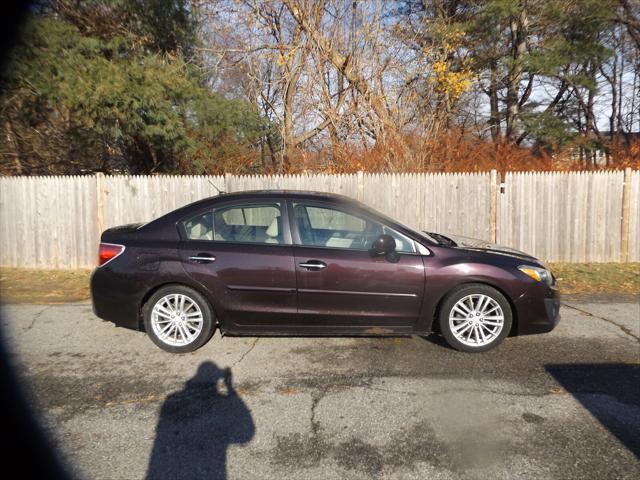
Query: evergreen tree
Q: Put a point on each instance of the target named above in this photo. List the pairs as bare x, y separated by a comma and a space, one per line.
109, 86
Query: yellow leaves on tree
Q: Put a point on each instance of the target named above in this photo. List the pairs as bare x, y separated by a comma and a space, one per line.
450, 79
450, 82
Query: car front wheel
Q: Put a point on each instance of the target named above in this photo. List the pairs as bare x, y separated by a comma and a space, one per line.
475, 318
178, 319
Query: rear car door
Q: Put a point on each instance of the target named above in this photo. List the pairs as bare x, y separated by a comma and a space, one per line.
241, 253
340, 284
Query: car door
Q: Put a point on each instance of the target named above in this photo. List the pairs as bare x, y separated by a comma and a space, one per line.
341, 286
241, 253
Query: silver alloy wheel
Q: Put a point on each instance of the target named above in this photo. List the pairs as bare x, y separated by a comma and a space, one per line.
476, 320
176, 320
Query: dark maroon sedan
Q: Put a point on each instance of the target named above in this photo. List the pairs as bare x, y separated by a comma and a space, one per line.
287, 263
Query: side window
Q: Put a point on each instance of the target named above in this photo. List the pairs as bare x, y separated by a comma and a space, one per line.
329, 219
199, 227
330, 227
247, 223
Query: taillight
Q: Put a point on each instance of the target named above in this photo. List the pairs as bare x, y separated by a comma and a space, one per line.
108, 251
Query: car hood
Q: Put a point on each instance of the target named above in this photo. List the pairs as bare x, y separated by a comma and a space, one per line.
477, 245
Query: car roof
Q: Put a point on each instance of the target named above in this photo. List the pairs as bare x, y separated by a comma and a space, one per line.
287, 194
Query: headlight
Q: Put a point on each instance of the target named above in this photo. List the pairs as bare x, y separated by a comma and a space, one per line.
537, 273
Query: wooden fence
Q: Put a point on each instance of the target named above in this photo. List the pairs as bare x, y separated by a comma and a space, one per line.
54, 222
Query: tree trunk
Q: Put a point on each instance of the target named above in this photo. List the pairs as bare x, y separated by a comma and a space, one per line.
494, 119
620, 124
288, 104
589, 124
12, 141
518, 26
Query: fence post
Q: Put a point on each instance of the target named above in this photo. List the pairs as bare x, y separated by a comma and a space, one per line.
100, 202
626, 210
360, 192
493, 206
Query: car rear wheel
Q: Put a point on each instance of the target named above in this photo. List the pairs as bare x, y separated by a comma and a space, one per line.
178, 319
475, 318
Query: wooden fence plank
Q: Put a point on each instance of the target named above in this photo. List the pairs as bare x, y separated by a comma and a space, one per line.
634, 218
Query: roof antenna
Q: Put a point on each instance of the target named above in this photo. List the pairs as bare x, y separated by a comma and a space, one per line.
220, 192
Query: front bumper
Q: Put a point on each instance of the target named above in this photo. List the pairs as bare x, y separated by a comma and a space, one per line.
538, 310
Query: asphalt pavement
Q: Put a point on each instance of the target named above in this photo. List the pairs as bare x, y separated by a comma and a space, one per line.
560, 405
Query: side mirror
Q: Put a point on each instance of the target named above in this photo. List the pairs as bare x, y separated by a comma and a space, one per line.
383, 245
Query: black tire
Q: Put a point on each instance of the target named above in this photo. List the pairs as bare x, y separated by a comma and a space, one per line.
462, 292
208, 321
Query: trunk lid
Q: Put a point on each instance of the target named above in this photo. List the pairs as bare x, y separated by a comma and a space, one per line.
119, 233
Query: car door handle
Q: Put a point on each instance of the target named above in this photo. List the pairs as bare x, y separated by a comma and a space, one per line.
313, 265
202, 258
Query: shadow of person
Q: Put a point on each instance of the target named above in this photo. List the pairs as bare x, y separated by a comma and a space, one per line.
197, 425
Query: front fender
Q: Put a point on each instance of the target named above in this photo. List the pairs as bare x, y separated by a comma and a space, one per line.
445, 272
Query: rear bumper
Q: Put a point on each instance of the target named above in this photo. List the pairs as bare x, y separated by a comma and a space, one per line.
114, 299
538, 310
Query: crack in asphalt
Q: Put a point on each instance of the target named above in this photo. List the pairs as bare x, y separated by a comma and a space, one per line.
554, 391
624, 329
37, 316
242, 357
318, 395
